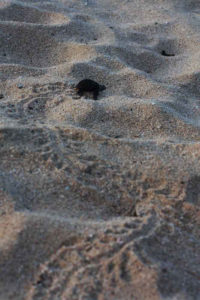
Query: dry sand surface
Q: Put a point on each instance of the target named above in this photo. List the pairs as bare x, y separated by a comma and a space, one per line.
99, 200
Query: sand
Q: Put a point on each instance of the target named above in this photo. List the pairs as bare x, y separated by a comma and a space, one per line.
99, 200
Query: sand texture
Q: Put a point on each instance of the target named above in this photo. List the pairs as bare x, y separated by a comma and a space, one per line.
100, 200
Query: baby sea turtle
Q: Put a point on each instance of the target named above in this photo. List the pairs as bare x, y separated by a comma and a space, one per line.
89, 86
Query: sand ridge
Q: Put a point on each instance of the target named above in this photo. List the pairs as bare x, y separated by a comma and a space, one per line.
99, 199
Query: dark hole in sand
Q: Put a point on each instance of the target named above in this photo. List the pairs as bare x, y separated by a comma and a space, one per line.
164, 53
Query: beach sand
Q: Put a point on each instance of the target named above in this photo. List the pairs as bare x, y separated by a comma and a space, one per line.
100, 200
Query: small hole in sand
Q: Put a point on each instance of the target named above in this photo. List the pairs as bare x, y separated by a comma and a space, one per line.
164, 270
164, 53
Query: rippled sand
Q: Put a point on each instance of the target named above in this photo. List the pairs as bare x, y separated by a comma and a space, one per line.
100, 200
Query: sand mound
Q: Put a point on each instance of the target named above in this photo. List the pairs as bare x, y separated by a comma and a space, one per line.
99, 199
17, 12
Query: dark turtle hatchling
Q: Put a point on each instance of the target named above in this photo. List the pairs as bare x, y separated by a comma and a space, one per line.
89, 86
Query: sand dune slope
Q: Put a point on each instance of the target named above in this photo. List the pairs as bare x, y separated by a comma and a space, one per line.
100, 200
